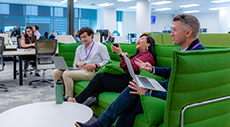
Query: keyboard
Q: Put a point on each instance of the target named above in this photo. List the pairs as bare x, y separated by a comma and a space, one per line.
145, 82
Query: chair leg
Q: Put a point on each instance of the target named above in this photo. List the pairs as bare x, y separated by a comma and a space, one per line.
4, 87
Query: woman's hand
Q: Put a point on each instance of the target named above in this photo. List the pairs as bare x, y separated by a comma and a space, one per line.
138, 90
116, 49
146, 66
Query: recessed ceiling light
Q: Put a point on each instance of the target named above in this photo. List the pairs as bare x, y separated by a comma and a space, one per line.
220, 8
65, 1
161, 2
133, 7
163, 9
106, 4
124, 0
189, 5
193, 11
220, 1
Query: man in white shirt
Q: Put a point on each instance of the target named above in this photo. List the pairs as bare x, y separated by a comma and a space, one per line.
36, 32
88, 57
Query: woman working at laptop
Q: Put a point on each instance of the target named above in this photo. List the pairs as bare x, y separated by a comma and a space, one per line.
116, 83
28, 41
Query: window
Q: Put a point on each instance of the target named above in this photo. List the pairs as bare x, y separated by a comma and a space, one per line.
31, 10
4, 9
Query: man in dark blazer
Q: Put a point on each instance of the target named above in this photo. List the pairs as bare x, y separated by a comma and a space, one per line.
109, 38
127, 105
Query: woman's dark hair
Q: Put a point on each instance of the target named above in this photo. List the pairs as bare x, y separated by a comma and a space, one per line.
26, 35
150, 48
46, 34
88, 30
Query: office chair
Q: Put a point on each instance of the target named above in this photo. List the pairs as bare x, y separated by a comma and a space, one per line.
2, 86
45, 49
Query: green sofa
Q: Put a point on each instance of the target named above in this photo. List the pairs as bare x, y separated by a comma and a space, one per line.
198, 92
206, 39
164, 59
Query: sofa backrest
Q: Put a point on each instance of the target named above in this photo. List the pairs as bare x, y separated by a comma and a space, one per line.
214, 39
67, 51
164, 54
198, 76
129, 48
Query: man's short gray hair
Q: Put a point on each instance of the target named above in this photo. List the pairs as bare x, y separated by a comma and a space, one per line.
189, 22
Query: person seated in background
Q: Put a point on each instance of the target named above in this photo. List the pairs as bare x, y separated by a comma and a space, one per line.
109, 38
28, 41
52, 35
36, 32
88, 57
46, 34
77, 39
116, 83
127, 105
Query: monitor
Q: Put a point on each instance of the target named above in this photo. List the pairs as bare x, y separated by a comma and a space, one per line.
16, 32
103, 32
153, 19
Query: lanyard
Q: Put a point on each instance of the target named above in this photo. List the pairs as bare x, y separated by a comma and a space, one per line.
195, 46
89, 51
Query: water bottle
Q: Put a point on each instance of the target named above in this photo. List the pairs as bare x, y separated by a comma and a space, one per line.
59, 92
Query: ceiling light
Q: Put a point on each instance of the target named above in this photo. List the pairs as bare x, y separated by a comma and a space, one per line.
220, 1
124, 0
189, 5
220, 8
106, 4
133, 7
193, 11
163, 9
161, 2
65, 1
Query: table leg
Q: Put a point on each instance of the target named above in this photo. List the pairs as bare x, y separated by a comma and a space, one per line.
20, 71
15, 67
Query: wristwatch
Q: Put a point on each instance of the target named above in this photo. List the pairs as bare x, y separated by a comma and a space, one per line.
147, 93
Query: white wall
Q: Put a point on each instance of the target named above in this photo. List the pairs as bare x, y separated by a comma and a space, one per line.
110, 19
209, 21
129, 23
163, 21
106, 18
100, 18
224, 19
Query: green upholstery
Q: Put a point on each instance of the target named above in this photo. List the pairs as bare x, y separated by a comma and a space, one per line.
157, 37
214, 39
167, 39
164, 59
164, 54
67, 50
196, 76
207, 39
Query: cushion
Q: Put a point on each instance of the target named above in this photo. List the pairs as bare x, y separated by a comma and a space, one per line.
154, 109
111, 69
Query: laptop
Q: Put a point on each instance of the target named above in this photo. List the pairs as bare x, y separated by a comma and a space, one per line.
61, 64
142, 82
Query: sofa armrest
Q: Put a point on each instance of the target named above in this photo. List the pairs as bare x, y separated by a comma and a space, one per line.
154, 109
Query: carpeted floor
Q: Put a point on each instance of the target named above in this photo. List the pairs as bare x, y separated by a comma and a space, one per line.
25, 94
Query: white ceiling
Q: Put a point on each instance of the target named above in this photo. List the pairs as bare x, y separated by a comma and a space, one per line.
124, 6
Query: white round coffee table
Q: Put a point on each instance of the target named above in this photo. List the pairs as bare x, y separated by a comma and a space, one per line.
46, 114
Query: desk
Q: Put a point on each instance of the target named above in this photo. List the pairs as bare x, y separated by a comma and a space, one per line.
19, 52
46, 114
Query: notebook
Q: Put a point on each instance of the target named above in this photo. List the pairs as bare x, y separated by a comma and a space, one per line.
142, 82
61, 64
